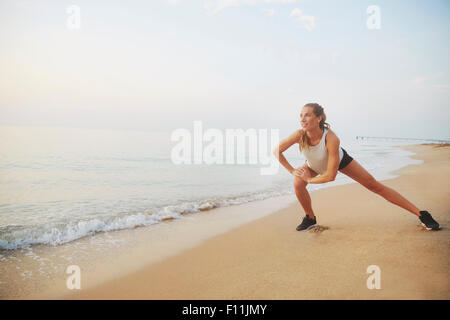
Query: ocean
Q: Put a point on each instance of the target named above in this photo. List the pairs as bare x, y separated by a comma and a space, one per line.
61, 184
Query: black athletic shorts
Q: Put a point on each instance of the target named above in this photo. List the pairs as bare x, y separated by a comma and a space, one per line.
346, 159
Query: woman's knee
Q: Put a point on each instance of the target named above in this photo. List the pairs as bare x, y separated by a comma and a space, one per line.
299, 183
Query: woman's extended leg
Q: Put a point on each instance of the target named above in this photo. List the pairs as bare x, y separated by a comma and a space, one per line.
355, 171
303, 194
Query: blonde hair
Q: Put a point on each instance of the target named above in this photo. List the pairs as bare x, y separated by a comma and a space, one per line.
318, 111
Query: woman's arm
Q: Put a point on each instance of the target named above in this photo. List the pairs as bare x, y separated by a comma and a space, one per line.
283, 146
333, 160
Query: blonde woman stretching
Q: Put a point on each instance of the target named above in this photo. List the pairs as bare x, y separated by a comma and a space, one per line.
320, 146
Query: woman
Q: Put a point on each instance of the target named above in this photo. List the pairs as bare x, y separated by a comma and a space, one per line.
325, 158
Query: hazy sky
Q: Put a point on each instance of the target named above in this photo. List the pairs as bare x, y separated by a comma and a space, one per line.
161, 64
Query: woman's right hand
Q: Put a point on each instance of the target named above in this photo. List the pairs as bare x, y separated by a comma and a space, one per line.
302, 172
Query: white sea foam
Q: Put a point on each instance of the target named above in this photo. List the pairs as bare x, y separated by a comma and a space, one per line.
14, 238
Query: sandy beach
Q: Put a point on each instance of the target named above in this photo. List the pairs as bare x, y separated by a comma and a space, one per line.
269, 259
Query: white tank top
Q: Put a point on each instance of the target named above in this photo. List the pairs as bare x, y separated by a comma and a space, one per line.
317, 156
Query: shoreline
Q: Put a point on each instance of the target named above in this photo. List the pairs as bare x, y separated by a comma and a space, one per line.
205, 228
167, 239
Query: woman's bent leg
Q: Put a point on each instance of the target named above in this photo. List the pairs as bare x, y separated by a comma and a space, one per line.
303, 196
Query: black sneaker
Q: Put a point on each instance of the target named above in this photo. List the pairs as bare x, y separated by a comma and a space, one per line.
307, 223
427, 221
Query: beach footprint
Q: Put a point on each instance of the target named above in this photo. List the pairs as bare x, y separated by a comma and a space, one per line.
318, 228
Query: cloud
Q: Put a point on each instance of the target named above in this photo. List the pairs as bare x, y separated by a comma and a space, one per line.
214, 6
309, 22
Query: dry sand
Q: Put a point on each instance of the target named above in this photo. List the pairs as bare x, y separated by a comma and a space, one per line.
268, 259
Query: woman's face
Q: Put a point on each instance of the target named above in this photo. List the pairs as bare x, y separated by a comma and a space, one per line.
308, 119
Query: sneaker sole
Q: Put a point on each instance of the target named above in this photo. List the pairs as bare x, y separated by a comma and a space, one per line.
429, 228
312, 226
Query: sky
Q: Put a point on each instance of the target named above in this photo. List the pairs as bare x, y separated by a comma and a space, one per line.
159, 65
